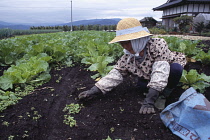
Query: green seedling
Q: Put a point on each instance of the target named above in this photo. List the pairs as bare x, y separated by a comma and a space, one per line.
112, 129
11, 137
5, 123
71, 109
25, 134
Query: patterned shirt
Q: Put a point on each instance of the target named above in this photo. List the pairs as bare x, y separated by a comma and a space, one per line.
156, 50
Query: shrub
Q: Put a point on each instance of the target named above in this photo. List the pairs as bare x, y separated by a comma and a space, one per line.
199, 27
157, 31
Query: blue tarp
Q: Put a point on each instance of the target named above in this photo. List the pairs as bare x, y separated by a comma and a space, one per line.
189, 118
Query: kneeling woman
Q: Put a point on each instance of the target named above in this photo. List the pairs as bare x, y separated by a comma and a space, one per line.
157, 68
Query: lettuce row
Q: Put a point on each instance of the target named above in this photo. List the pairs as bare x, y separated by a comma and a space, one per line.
26, 71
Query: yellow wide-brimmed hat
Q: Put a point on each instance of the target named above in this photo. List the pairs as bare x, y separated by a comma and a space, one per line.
129, 29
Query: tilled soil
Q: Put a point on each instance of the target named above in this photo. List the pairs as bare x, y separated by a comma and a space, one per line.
39, 116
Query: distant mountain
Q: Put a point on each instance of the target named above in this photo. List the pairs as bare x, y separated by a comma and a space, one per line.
13, 26
5, 23
113, 21
17, 27
23, 26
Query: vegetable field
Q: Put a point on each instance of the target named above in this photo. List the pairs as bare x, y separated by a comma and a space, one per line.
42, 75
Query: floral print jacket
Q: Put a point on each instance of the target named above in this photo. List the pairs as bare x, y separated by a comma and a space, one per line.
155, 59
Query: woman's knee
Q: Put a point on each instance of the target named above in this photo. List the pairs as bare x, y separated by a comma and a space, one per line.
176, 68
142, 85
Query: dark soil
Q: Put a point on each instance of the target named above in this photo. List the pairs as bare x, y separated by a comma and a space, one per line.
114, 114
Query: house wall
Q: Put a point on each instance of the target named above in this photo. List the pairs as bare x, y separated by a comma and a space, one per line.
168, 23
187, 9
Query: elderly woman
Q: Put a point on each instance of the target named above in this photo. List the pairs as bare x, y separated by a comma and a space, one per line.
157, 68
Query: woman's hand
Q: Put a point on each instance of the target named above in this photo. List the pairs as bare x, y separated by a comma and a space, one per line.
149, 101
147, 109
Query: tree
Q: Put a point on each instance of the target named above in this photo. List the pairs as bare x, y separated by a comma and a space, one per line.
82, 27
66, 28
208, 25
199, 27
184, 22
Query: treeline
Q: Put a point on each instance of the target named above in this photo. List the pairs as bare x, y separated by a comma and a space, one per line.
6, 33
76, 28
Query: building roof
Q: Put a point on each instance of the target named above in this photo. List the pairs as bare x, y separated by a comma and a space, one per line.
172, 3
148, 19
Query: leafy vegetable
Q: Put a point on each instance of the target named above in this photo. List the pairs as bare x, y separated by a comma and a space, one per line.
26, 71
187, 47
203, 57
31, 57
195, 80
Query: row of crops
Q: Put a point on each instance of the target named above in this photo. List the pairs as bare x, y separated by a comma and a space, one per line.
30, 58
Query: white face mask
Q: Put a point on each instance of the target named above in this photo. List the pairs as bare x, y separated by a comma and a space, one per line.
138, 45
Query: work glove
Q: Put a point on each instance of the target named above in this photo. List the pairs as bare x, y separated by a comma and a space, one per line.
167, 92
149, 101
89, 94
161, 101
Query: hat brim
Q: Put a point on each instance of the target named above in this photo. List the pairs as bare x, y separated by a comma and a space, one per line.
130, 36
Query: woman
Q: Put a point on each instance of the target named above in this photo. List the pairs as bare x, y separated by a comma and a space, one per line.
157, 68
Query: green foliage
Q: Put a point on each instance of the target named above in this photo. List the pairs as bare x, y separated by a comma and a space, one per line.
155, 30
199, 27
208, 25
31, 57
5, 33
195, 80
98, 54
11, 137
26, 71
185, 46
8, 98
5, 123
203, 57
183, 22
71, 109
99, 63
69, 120
206, 34
108, 138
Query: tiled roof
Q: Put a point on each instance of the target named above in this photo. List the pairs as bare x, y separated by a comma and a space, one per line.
172, 3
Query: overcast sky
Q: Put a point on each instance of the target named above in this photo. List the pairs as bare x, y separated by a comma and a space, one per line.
59, 11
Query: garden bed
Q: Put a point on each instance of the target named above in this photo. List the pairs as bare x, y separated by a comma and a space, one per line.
39, 116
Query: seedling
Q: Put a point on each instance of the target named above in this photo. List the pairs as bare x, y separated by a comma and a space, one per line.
36, 116
58, 80
69, 120
25, 134
5, 123
71, 109
11, 137
112, 129
108, 138
121, 109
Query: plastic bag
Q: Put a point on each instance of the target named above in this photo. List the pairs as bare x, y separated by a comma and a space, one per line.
189, 118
